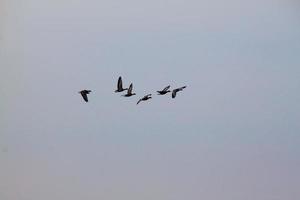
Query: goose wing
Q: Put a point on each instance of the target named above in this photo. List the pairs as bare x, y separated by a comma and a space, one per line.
120, 83
130, 89
84, 96
174, 93
181, 88
166, 88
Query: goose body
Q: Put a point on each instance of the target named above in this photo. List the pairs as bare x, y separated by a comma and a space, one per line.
145, 98
177, 90
84, 94
164, 91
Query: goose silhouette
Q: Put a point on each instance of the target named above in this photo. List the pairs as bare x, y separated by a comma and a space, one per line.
164, 91
129, 91
177, 90
84, 94
145, 98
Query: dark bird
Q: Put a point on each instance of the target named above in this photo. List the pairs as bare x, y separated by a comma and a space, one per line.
164, 91
177, 90
84, 94
129, 92
120, 85
145, 98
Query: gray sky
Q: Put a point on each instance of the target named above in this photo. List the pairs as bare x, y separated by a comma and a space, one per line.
232, 134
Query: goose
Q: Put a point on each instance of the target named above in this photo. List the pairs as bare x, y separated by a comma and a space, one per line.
177, 90
120, 85
164, 91
129, 91
145, 98
84, 94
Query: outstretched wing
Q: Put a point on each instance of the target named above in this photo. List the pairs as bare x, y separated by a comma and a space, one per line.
166, 88
182, 88
148, 95
120, 83
130, 89
174, 93
84, 96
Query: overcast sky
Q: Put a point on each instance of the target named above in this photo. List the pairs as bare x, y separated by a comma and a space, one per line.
232, 134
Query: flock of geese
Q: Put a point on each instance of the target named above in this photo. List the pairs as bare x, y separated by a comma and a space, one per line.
166, 90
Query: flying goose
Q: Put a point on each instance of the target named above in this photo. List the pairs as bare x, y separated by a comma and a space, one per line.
84, 94
129, 91
177, 90
145, 98
164, 91
120, 85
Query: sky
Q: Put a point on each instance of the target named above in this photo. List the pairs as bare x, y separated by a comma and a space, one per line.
232, 134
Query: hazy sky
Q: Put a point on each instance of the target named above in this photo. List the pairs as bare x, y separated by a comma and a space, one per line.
233, 134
